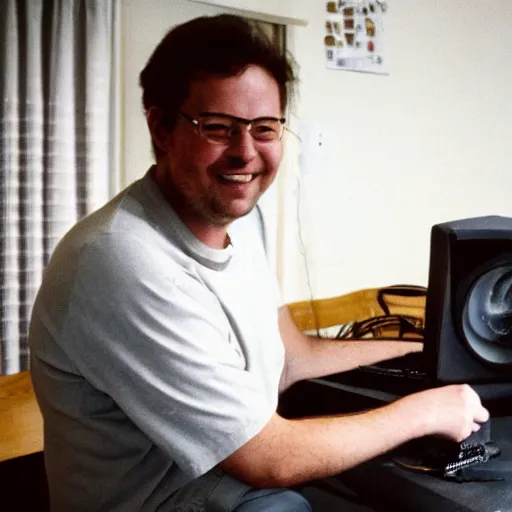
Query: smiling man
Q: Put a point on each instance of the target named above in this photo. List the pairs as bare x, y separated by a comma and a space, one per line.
223, 152
159, 344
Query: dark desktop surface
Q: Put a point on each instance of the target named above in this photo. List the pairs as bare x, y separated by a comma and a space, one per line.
390, 487
381, 483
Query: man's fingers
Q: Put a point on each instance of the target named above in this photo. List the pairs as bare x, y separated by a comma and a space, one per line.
482, 415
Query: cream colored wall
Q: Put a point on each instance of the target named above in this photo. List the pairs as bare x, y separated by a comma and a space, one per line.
431, 142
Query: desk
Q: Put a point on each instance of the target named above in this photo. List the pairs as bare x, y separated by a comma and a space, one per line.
385, 486
411, 491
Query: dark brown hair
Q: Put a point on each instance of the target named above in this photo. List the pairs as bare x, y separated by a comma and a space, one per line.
221, 45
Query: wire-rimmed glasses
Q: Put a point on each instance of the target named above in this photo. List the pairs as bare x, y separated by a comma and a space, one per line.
221, 128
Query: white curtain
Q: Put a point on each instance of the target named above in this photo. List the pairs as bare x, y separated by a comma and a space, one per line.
55, 92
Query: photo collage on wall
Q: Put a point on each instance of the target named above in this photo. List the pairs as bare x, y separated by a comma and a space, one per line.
354, 36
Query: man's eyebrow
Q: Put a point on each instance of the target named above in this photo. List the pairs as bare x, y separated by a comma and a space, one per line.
242, 119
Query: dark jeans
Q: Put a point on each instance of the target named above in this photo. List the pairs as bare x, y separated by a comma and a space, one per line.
273, 500
218, 492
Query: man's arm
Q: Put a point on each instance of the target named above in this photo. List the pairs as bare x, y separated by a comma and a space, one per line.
289, 452
308, 357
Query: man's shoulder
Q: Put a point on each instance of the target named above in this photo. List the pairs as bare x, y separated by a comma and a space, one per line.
106, 251
127, 224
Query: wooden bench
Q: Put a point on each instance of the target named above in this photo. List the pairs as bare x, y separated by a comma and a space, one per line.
22, 474
21, 423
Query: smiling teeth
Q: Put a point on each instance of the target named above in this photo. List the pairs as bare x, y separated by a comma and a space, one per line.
238, 178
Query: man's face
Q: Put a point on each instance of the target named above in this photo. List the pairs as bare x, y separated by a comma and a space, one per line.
213, 184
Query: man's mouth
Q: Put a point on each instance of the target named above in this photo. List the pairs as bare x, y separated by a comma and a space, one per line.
238, 178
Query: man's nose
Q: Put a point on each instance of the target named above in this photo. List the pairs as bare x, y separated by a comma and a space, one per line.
242, 146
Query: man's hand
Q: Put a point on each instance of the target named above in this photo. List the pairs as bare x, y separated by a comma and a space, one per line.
452, 411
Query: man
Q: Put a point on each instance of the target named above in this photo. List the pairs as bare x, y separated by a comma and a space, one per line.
158, 342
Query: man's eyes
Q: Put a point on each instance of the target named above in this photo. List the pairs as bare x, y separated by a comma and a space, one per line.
215, 127
262, 128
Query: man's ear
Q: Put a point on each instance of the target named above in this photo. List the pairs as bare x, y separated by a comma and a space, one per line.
160, 133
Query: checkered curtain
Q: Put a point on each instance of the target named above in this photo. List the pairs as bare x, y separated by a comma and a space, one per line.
55, 92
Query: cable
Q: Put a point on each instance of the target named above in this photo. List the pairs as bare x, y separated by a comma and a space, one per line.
303, 251
302, 248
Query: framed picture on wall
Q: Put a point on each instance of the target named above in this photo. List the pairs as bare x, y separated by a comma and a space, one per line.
354, 36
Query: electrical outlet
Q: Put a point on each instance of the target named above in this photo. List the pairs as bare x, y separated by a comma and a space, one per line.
312, 147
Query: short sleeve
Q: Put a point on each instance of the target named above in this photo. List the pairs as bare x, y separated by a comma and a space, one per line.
154, 338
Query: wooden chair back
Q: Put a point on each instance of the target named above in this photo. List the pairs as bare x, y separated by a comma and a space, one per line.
358, 306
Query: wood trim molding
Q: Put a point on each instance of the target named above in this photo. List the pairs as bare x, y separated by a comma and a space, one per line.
271, 11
